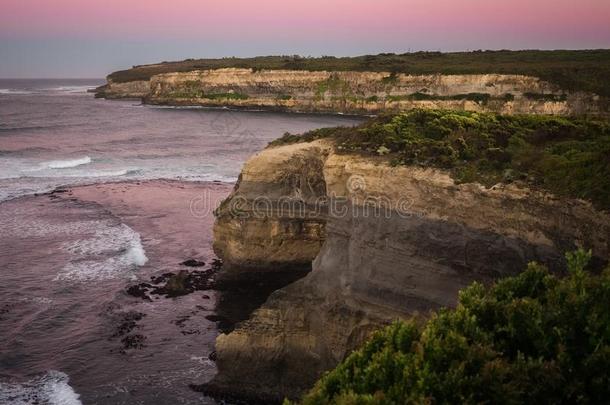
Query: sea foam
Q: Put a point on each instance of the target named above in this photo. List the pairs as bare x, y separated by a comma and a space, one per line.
51, 388
110, 252
63, 164
15, 92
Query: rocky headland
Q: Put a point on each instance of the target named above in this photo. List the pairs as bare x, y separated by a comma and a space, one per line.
524, 82
387, 242
392, 220
355, 92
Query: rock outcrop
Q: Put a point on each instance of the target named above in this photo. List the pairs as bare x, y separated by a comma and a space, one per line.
356, 92
388, 242
271, 220
134, 89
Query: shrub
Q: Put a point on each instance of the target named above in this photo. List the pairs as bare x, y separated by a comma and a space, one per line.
533, 338
566, 156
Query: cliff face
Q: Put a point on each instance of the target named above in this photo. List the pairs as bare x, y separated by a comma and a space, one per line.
272, 221
134, 89
356, 92
396, 241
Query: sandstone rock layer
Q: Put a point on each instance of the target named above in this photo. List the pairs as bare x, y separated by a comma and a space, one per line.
356, 92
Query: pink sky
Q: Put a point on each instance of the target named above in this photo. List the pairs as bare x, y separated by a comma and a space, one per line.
302, 19
244, 27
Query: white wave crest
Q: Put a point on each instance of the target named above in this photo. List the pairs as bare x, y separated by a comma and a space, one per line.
51, 388
15, 92
72, 89
111, 252
63, 164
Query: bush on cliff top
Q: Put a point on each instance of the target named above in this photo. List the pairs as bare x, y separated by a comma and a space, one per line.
533, 338
566, 156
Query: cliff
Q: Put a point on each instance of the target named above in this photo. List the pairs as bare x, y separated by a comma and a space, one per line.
386, 241
132, 89
356, 92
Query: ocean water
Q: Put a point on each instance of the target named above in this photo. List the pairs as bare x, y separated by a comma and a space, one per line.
52, 132
66, 259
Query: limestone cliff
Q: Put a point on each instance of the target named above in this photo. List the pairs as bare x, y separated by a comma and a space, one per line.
356, 92
394, 241
133, 89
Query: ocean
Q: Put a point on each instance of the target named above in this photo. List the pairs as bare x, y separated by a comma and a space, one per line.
126, 176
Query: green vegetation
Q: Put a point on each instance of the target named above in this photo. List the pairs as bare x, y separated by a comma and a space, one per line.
571, 70
533, 338
566, 156
333, 84
545, 97
481, 98
195, 92
390, 80
226, 96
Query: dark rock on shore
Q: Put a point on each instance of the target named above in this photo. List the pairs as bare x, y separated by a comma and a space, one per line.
177, 284
193, 263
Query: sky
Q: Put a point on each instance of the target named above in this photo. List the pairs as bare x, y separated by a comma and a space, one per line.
91, 38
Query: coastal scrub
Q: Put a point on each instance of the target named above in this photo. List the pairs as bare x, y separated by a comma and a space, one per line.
564, 155
533, 338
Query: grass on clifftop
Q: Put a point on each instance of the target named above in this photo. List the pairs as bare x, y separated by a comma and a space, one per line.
530, 339
586, 70
566, 156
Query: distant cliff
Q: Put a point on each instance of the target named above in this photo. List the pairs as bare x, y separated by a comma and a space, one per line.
355, 92
559, 82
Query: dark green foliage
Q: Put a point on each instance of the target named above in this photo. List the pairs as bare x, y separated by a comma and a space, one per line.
566, 156
530, 339
571, 70
225, 96
545, 97
480, 98
193, 91
310, 136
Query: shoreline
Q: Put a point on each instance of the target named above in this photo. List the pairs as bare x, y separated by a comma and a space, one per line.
170, 234
224, 107
126, 340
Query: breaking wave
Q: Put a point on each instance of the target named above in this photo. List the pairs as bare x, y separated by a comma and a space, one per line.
64, 164
15, 92
51, 388
119, 247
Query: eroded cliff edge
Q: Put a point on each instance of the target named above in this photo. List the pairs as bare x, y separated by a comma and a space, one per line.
356, 92
393, 241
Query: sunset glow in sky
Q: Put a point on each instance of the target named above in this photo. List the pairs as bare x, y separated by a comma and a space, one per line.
89, 38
